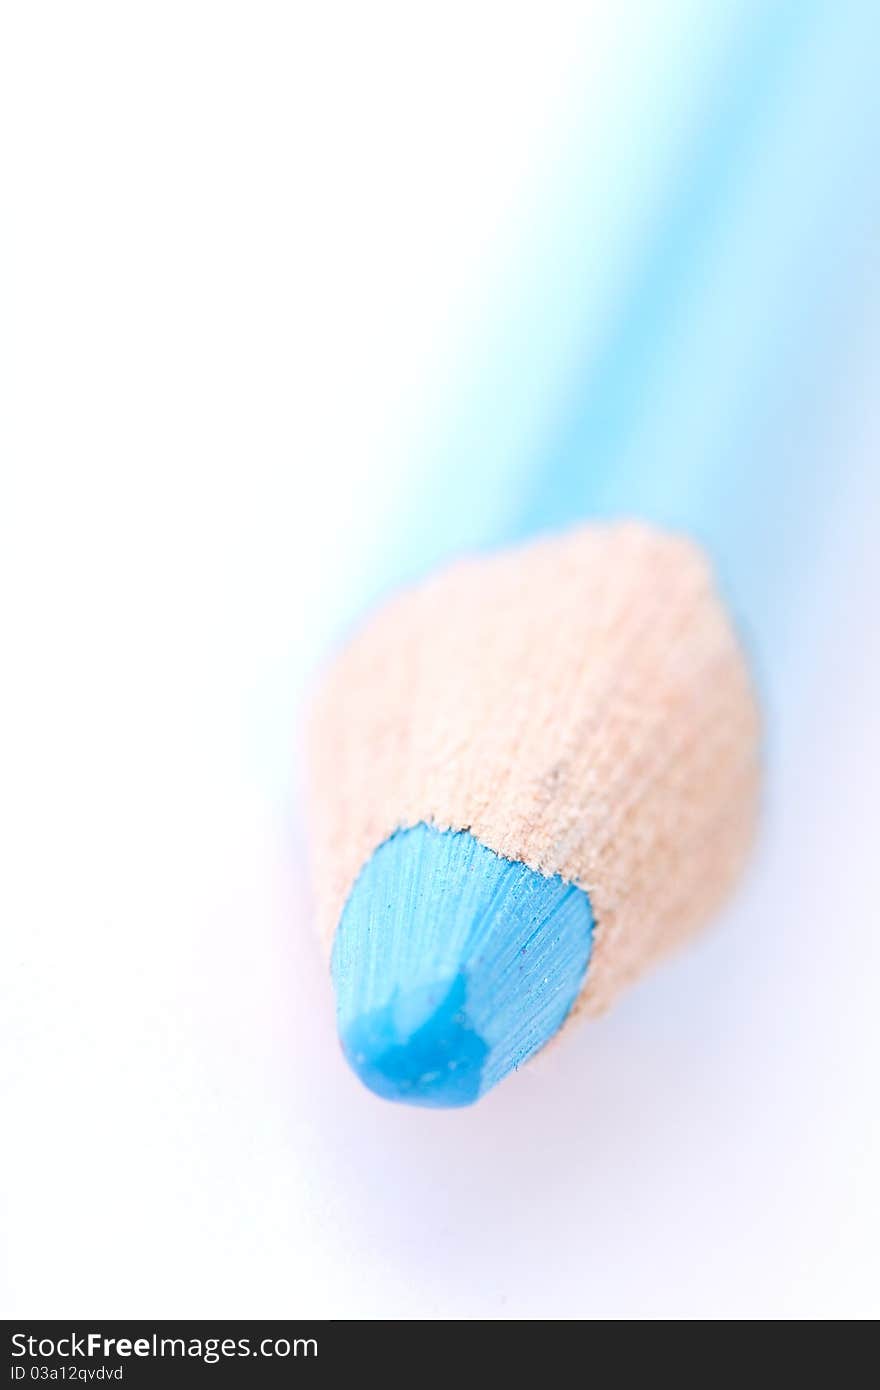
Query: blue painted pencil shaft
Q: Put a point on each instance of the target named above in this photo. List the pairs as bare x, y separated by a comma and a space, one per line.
703, 408
697, 402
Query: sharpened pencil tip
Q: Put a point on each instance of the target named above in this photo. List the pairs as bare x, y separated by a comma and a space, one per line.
452, 966
419, 1048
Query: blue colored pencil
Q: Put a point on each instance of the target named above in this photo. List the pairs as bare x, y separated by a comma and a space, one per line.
536, 772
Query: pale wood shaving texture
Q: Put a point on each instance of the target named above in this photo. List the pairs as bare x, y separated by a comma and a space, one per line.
581, 704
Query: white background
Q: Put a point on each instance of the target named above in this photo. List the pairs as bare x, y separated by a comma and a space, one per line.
238, 239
